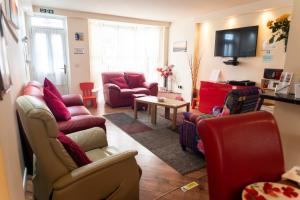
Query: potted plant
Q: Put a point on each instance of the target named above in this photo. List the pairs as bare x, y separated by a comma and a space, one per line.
165, 72
280, 29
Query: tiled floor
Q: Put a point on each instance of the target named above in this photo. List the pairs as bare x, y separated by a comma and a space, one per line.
159, 180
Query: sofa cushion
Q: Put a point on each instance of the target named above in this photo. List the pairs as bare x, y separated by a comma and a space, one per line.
57, 107
120, 81
48, 84
134, 80
81, 122
74, 150
141, 91
78, 110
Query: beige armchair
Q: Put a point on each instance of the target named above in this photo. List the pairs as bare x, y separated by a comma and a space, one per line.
111, 175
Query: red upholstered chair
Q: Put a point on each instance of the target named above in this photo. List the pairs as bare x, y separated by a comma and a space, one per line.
87, 93
118, 97
240, 150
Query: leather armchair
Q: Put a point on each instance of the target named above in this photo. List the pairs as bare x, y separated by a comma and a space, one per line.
111, 175
241, 150
117, 97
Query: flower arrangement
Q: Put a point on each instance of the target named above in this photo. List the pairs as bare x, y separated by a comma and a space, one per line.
280, 29
165, 71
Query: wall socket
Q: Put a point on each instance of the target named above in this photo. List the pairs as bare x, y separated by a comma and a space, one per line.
180, 87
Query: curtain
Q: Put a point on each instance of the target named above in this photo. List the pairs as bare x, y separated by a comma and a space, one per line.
48, 55
119, 47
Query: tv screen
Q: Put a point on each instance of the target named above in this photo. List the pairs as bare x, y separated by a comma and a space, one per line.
240, 42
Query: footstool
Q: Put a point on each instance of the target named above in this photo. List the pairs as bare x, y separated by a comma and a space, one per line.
140, 106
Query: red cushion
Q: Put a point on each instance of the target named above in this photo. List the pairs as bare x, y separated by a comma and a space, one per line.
48, 84
56, 106
135, 81
120, 81
74, 150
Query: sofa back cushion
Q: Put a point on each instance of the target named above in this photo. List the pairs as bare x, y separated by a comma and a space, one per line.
107, 76
120, 81
31, 90
74, 150
49, 85
135, 80
57, 107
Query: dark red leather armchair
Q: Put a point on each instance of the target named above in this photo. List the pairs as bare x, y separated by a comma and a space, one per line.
117, 97
240, 150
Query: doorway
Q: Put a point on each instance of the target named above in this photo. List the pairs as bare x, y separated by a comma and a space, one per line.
49, 58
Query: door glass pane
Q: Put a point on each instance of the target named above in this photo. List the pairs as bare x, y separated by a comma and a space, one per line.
47, 22
41, 54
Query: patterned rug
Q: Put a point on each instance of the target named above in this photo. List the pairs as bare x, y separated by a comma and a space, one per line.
159, 139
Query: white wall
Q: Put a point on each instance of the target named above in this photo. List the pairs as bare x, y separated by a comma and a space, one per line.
79, 63
288, 115
249, 68
182, 31
11, 164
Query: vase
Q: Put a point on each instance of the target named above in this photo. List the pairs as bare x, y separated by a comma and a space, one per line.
166, 83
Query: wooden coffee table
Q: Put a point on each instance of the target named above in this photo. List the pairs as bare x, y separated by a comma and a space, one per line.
153, 102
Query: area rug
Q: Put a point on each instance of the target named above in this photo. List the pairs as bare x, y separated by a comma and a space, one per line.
159, 139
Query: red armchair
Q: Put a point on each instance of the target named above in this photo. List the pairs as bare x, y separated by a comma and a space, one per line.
240, 150
117, 97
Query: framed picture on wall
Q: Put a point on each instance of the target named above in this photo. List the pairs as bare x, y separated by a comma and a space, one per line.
5, 79
180, 46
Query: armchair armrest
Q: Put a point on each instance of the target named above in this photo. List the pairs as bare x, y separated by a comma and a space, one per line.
90, 139
149, 85
153, 87
89, 170
72, 100
112, 86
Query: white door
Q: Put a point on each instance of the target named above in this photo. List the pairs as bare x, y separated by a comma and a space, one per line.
48, 52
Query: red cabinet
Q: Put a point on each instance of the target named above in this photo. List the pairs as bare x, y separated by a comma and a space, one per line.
213, 94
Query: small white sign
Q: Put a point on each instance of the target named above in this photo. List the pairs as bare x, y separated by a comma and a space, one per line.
214, 76
79, 50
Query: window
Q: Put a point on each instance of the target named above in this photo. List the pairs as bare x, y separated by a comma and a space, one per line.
117, 46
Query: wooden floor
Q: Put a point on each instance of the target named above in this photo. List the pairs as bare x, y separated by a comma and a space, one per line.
159, 180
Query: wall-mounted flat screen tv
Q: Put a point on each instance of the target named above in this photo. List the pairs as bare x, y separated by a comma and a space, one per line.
240, 42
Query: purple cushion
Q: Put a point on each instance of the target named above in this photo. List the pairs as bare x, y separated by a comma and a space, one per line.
57, 107
74, 150
120, 81
48, 84
135, 81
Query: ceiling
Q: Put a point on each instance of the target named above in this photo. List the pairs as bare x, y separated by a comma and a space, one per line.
163, 10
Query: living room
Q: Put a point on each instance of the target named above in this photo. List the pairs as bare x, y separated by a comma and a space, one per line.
143, 90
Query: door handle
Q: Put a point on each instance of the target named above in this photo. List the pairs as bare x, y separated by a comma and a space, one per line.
65, 69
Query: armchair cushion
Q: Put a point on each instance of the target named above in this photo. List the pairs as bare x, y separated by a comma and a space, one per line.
57, 107
134, 80
120, 81
49, 85
89, 139
74, 150
72, 100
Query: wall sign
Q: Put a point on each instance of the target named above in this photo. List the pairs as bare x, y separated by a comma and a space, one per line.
46, 10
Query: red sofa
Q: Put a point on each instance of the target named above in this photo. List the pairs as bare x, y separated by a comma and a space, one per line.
117, 97
81, 118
